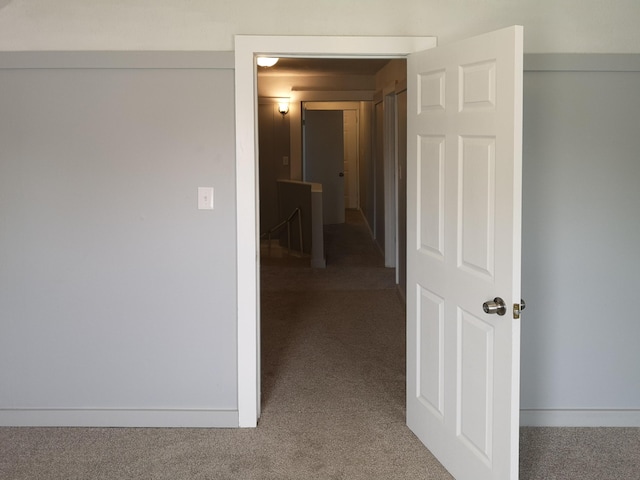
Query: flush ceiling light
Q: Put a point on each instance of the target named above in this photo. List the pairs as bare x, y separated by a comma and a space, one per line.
267, 61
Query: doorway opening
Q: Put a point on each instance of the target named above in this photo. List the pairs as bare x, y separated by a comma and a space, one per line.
362, 146
348, 144
246, 49
465, 70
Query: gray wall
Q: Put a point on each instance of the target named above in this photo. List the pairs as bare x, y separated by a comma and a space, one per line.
117, 295
273, 134
581, 239
366, 170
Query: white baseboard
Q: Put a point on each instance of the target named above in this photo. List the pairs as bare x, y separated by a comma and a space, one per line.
580, 418
366, 222
118, 418
229, 418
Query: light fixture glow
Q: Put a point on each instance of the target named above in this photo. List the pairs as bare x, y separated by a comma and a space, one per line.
267, 61
283, 108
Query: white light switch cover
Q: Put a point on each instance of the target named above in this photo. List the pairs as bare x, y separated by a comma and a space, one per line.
205, 198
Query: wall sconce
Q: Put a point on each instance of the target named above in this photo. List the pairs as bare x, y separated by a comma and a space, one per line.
283, 108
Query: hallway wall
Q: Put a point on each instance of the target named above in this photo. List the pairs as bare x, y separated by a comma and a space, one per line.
366, 169
335, 89
273, 147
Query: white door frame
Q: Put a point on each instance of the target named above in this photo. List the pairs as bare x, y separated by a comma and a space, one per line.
247, 47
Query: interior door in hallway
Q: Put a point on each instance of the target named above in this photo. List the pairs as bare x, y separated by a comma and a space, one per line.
324, 159
464, 154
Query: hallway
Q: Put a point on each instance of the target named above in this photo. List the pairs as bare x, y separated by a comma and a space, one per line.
333, 372
333, 364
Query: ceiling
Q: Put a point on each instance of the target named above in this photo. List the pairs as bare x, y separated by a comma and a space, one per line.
325, 66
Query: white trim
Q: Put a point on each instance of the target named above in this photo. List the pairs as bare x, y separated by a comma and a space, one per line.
580, 418
246, 48
118, 418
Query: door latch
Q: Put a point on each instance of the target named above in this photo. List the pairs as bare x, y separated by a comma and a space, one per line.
517, 309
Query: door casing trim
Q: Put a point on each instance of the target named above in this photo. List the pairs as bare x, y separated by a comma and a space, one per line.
247, 47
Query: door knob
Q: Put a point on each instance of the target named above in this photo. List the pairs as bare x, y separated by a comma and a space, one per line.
341, 174
495, 306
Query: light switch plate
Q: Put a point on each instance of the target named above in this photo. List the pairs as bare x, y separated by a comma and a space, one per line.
205, 198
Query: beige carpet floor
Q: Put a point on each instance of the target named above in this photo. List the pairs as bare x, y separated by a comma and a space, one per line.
333, 378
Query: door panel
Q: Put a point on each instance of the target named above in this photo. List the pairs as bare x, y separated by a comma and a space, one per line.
477, 205
464, 152
324, 159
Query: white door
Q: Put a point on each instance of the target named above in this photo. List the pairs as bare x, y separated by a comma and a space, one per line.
463, 226
324, 159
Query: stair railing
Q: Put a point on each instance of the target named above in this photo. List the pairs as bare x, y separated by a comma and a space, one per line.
296, 213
